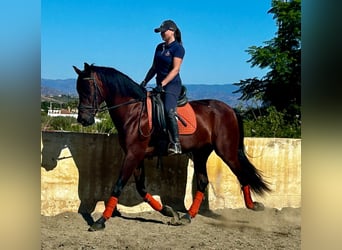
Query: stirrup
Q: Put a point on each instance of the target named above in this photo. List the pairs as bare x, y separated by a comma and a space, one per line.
174, 148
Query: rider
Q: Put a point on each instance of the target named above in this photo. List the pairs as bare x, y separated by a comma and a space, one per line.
166, 65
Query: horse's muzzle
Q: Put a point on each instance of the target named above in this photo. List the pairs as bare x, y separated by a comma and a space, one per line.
86, 120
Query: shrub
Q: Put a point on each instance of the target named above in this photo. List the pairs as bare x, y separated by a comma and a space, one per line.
272, 124
71, 124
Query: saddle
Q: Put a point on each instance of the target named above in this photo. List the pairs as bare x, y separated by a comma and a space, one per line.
185, 114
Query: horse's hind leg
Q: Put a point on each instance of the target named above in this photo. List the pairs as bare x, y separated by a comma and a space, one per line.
247, 174
139, 176
200, 165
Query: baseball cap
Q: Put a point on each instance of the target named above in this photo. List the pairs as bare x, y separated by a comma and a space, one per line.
166, 25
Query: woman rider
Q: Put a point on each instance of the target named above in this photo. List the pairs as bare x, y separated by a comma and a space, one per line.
166, 66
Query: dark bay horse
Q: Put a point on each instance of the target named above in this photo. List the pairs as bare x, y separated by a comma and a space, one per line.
219, 128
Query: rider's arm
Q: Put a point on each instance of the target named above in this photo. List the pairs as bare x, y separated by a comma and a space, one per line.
150, 74
175, 70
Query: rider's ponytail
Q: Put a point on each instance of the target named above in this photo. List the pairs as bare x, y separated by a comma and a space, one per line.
178, 36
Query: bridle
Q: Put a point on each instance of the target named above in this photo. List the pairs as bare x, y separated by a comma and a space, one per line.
95, 107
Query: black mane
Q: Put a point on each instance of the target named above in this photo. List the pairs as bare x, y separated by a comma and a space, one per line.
119, 82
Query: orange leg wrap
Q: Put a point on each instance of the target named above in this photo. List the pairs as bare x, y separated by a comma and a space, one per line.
196, 204
247, 196
153, 203
110, 206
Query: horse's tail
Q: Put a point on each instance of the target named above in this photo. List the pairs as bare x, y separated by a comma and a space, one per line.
252, 175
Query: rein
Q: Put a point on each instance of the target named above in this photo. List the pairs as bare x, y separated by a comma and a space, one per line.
105, 108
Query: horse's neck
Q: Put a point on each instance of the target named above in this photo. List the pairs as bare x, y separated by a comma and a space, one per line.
118, 101
123, 114
114, 94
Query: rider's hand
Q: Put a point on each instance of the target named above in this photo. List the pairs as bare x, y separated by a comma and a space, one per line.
159, 89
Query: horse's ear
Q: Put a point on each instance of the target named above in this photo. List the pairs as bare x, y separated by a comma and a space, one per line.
86, 66
77, 70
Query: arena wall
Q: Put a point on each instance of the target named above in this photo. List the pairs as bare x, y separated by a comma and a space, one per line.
78, 171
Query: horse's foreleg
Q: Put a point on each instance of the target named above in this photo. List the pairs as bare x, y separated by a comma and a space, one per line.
114, 198
126, 172
139, 176
110, 207
85, 209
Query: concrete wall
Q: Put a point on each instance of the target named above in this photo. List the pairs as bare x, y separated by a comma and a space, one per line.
78, 171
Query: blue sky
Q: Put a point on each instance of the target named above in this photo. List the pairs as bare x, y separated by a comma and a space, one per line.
120, 34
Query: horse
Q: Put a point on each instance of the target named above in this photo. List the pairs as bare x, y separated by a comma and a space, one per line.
219, 128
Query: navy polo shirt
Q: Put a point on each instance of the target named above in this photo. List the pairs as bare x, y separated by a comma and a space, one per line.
163, 59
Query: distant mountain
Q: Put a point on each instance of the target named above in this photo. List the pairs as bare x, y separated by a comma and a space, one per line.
50, 87
223, 92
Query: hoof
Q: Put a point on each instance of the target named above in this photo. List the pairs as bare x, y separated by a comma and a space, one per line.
169, 212
116, 212
175, 222
186, 219
98, 225
258, 206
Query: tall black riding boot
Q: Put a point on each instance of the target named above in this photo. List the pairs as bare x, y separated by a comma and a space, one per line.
174, 146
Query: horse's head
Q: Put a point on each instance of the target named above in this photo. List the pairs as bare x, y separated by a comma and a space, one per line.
89, 95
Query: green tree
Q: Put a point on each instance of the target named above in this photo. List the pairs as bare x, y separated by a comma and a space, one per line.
281, 86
